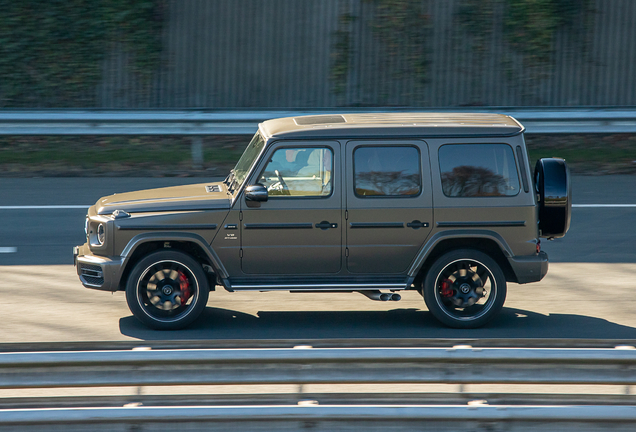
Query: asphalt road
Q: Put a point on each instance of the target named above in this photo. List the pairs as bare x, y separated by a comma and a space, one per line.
575, 300
588, 293
45, 236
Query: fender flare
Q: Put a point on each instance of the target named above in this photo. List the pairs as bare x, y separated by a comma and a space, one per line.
433, 241
141, 239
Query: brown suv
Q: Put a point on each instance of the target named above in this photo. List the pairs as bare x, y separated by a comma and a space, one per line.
375, 203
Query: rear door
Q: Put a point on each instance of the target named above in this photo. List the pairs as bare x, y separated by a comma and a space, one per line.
388, 204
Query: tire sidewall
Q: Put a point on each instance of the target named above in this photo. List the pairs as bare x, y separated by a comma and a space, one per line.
196, 307
429, 287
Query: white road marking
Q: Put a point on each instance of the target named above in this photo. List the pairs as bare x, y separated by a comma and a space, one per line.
604, 205
54, 207
8, 249
44, 207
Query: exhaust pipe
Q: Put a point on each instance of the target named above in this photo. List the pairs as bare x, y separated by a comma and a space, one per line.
379, 296
374, 295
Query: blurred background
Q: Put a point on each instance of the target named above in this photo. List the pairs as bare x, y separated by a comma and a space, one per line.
247, 59
305, 55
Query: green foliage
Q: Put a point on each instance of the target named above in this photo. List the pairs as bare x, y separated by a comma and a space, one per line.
402, 28
568, 11
591, 154
153, 156
477, 17
51, 51
341, 54
529, 26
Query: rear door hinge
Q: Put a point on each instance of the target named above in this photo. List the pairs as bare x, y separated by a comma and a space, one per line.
240, 215
346, 214
346, 252
240, 253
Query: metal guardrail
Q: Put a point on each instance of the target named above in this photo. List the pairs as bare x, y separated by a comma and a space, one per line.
306, 365
330, 418
462, 365
157, 122
23, 347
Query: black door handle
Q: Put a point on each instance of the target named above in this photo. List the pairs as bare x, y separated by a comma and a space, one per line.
417, 224
324, 225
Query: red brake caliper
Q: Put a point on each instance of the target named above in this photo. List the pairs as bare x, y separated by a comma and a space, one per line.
447, 290
184, 286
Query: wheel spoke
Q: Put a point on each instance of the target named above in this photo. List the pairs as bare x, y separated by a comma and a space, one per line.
472, 283
161, 274
167, 291
156, 271
482, 272
446, 274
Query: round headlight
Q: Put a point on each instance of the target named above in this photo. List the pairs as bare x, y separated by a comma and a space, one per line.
101, 234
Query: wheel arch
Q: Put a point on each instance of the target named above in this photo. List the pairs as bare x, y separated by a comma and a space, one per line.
191, 244
489, 243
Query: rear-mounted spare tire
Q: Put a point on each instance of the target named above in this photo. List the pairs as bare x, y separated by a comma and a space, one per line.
554, 193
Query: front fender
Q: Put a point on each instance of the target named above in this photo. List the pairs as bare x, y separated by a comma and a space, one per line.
164, 236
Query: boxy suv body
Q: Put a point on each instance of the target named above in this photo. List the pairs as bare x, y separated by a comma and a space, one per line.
376, 203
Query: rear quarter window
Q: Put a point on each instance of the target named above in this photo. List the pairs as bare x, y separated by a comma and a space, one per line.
478, 170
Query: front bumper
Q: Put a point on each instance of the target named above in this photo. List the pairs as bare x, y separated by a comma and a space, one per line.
529, 268
97, 272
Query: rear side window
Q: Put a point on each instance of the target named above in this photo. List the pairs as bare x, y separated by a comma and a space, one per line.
478, 170
390, 171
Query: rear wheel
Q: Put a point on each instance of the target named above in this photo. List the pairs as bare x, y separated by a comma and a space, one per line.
167, 290
464, 289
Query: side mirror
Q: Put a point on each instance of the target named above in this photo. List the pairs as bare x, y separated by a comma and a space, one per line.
256, 193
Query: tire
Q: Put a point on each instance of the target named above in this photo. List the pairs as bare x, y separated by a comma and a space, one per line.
464, 277
167, 290
554, 196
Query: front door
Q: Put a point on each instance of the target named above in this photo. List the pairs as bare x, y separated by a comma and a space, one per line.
388, 203
298, 231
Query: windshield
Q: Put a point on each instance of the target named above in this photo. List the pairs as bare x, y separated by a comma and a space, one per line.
247, 160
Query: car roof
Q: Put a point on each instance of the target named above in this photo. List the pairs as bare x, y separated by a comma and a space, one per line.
390, 125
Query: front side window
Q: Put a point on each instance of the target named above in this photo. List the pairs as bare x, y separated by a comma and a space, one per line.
389, 171
300, 172
478, 170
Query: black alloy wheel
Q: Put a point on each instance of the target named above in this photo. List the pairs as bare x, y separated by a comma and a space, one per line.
464, 288
167, 290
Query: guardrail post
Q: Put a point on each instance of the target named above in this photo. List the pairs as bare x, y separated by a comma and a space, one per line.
197, 152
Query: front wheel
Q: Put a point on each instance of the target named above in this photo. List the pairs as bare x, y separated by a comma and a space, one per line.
167, 290
464, 288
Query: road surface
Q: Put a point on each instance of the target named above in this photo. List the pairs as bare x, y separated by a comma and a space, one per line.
588, 293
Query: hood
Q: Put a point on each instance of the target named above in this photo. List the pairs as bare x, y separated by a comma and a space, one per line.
203, 196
